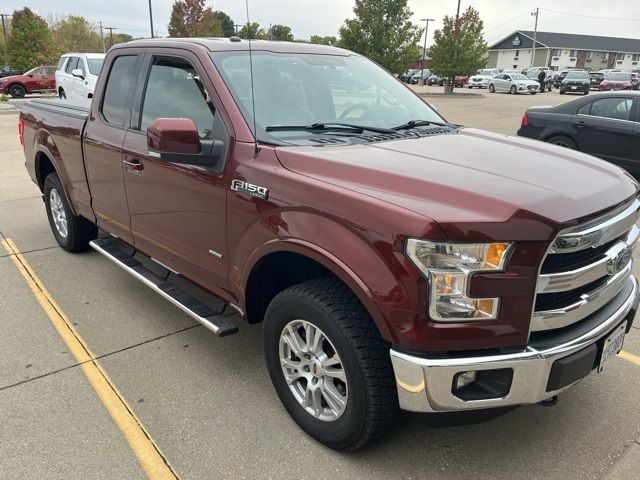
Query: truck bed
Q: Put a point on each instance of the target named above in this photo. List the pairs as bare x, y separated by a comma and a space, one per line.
54, 128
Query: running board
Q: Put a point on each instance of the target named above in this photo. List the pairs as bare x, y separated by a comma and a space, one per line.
204, 314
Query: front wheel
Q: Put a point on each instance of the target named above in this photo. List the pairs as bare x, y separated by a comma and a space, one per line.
513, 90
329, 365
72, 233
492, 88
17, 91
61, 93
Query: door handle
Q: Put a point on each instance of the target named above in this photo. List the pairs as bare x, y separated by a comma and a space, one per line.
581, 124
134, 166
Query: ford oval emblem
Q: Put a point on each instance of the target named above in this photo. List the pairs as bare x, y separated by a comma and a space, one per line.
619, 262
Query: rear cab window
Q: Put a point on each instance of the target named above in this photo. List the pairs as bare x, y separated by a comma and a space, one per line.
118, 92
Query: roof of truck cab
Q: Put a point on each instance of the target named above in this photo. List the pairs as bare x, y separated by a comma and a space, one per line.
226, 44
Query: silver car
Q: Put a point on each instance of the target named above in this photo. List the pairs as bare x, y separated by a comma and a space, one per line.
482, 78
513, 83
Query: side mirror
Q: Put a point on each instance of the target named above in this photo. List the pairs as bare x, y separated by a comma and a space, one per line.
31, 75
76, 72
177, 140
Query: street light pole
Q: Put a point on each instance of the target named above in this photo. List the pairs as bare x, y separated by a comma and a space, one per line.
424, 48
104, 48
535, 35
151, 18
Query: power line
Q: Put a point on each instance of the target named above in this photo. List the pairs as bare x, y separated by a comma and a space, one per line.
591, 16
507, 23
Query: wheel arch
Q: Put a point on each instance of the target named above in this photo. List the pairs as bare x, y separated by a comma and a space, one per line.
47, 160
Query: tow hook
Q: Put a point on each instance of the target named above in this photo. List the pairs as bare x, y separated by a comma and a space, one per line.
549, 402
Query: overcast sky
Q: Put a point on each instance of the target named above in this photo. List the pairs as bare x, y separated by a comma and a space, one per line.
324, 17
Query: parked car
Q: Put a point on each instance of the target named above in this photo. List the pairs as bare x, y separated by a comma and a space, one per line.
406, 76
37, 80
460, 80
424, 74
510, 70
435, 79
595, 79
8, 72
533, 72
557, 79
482, 78
77, 74
575, 81
513, 83
607, 71
433, 272
619, 81
606, 125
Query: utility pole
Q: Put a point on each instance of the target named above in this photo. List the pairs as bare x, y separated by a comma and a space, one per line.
111, 29
151, 18
4, 26
424, 48
104, 48
458, 14
535, 35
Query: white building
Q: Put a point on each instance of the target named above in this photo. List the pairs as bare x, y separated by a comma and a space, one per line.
563, 50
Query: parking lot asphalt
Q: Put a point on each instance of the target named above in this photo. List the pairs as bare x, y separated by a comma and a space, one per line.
206, 405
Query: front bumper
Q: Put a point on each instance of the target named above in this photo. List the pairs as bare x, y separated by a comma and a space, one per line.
426, 384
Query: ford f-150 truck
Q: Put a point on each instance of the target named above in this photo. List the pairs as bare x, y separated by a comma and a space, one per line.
397, 261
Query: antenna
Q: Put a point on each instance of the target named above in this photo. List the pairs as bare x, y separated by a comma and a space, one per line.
253, 94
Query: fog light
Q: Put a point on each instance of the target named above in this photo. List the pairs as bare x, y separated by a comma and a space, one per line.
464, 378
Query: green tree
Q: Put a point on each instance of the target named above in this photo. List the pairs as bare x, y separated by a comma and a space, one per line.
281, 32
226, 23
190, 18
121, 38
76, 34
461, 50
382, 31
252, 31
31, 43
320, 40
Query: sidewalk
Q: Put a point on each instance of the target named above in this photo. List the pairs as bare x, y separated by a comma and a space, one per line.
627, 467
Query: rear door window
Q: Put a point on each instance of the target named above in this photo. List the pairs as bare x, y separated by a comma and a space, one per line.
616, 107
118, 93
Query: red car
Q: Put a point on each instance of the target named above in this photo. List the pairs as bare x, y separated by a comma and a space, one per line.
39, 79
460, 80
620, 81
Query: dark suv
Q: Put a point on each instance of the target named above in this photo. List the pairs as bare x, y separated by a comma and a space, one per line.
595, 79
575, 81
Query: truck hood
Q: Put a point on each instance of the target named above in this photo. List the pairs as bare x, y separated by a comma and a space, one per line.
474, 184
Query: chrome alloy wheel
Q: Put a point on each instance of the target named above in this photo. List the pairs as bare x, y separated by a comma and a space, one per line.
313, 370
58, 213
561, 143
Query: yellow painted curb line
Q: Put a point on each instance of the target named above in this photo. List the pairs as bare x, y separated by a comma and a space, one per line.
142, 445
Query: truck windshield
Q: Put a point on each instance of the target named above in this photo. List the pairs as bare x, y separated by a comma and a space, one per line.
306, 89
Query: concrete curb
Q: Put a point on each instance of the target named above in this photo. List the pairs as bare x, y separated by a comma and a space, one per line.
9, 111
627, 467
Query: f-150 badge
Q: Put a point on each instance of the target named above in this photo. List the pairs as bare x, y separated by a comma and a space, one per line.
241, 186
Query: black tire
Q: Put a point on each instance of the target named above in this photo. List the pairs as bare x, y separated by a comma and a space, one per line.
492, 88
61, 93
563, 141
587, 92
533, 93
79, 230
513, 90
561, 92
17, 91
372, 403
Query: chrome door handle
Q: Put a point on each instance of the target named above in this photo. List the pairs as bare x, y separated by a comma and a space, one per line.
134, 166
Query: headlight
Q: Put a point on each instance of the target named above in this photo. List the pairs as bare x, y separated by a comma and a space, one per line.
447, 267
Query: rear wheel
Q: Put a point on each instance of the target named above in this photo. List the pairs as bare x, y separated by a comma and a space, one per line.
72, 233
61, 93
329, 365
512, 90
563, 141
17, 91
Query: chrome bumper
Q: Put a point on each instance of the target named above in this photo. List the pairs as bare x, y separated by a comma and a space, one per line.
425, 385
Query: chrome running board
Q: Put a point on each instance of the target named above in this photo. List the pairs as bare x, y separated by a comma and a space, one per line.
212, 320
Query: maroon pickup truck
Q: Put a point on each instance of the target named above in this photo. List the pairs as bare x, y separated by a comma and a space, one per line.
396, 260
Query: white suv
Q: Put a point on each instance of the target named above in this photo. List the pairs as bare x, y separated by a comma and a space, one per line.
77, 74
481, 79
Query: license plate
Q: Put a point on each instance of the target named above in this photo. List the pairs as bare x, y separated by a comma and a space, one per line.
574, 88
612, 345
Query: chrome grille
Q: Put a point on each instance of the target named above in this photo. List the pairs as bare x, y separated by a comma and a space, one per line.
585, 267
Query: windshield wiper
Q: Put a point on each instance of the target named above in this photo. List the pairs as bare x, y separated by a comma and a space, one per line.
418, 123
329, 126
